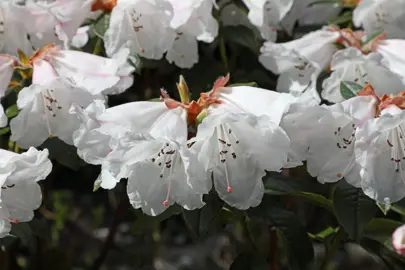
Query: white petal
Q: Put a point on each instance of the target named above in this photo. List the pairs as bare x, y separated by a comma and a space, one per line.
91, 72
331, 150
81, 37
393, 58
254, 100
381, 143
47, 113
316, 48
149, 117
6, 72
3, 117
184, 52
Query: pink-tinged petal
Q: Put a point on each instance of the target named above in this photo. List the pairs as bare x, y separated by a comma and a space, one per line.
398, 240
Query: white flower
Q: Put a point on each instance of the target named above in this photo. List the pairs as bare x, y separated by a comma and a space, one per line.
266, 15
237, 149
6, 72
20, 194
184, 51
125, 71
80, 39
398, 240
238, 140
9, 26
380, 152
91, 72
381, 15
393, 57
45, 112
301, 60
352, 65
146, 143
305, 13
331, 146
51, 21
194, 17
134, 25
160, 172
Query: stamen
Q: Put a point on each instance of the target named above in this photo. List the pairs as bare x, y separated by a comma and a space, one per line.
14, 221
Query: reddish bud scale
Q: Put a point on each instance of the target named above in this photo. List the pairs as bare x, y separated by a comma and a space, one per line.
104, 5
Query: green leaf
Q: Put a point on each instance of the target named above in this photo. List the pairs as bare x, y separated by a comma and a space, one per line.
299, 246
389, 257
249, 261
200, 221
342, 19
252, 84
241, 35
12, 111
4, 130
381, 229
63, 153
353, 209
23, 232
323, 2
349, 89
279, 184
101, 25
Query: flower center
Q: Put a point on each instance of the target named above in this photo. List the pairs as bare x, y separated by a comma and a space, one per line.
136, 26
51, 107
226, 138
166, 159
345, 136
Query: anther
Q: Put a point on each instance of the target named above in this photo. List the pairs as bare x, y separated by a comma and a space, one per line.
229, 190
166, 203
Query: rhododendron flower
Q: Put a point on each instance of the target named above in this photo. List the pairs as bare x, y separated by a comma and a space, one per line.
146, 140
398, 240
194, 18
381, 15
380, 152
134, 25
48, 22
240, 139
352, 65
308, 12
91, 72
6, 72
20, 194
393, 57
237, 148
331, 148
45, 112
184, 50
266, 15
297, 61
160, 172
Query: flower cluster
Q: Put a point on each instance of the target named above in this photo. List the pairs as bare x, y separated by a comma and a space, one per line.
175, 152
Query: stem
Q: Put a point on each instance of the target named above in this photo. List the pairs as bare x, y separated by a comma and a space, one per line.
222, 50
331, 251
398, 209
109, 242
98, 48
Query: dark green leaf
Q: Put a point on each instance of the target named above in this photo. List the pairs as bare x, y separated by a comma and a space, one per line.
241, 35
299, 246
349, 89
12, 111
101, 25
389, 257
381, 229
353, 209
23, 232
63, 153
199, 221
145, 222
282, 184
249, 261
